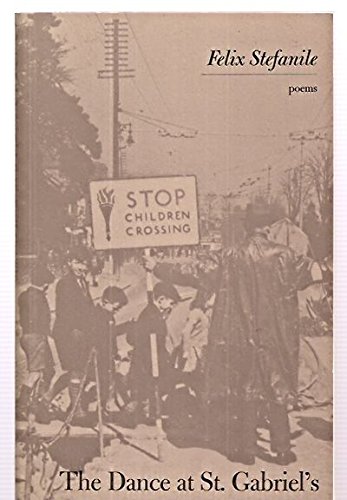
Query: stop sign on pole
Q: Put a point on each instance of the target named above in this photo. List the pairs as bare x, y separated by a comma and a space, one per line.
143, 213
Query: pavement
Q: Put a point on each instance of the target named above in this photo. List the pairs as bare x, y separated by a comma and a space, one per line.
134, 453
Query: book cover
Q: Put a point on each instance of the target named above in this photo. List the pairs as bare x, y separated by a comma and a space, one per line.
174, 268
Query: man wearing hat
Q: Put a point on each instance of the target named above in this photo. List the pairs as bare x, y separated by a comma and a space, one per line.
74, 316
254, 337
151, 320
34, 319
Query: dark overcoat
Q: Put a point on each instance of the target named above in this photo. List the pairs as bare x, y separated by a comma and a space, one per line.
254, 337
74, 320
35, 319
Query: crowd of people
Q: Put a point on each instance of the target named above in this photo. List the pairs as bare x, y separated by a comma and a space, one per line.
240, 342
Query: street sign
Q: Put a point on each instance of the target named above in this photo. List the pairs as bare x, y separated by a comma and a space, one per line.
143, 213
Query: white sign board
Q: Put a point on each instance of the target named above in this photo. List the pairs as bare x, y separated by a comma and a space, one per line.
140, 213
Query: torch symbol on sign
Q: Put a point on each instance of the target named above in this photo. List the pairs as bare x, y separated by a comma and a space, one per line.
106, 200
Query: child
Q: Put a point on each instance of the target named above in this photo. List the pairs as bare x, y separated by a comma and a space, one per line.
195, 332
186, 400
105, 332
151, 320
35, 319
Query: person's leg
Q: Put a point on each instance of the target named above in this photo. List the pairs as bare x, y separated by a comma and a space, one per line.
122, 396
153, 405
25, 395
80, 348
35, 351
33, 379
75, 396
248, 428
279, 427
104, 367
280, 432
242, 430
132, 407
61, 383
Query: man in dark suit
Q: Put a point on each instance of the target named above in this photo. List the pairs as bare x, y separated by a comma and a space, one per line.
73, 322
253, 345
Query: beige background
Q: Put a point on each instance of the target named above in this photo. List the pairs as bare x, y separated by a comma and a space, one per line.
243, 122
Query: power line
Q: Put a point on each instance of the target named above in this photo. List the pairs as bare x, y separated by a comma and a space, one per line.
99, 20
141, 94
226, 134
75, 27
172, 124
275, 166
266, 159
161, 132
158, 121
139, 117
147, 64
145, 117
312, 129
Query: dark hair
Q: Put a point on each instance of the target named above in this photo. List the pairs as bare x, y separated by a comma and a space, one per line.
257, 216
40, 276
114, 294
79, 253
162, 289
200, 299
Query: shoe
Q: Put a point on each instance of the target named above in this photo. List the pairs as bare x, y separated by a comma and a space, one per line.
88, 397
150, 421
132, 407
247, 458
23, 402
125, 419
87, 420
43, 414
242, 457
21, 415
79, 415
285, 458
111, 406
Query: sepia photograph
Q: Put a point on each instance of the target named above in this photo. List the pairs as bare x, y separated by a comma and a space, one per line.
174, 255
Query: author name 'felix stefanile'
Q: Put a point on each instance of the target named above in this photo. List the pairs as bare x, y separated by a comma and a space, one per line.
241, 481
262, 58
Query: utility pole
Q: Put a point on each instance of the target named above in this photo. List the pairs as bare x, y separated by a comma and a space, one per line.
288, 171
115, 62
301, 139
116, 67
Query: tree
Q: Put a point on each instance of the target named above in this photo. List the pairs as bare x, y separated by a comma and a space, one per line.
312, 186
296, 190
319, 173
56, 143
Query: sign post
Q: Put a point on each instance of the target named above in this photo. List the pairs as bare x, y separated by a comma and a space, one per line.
155, 368
145, 213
